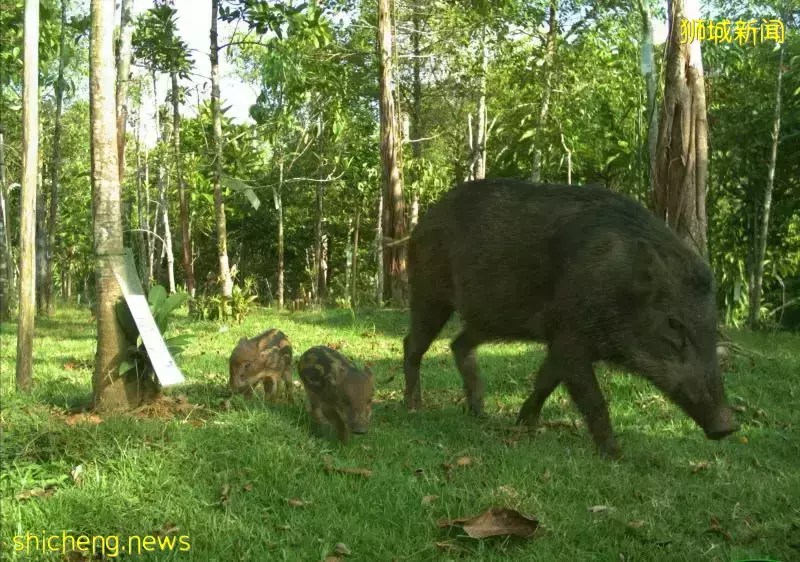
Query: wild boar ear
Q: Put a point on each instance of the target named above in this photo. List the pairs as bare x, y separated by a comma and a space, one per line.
368, 371
649, 271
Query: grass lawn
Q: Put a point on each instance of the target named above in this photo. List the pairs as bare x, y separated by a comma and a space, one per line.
223, 472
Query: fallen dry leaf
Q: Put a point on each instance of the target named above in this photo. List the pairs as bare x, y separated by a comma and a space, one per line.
699, 465
463, 461
333, 558
717, 528
545, 475
223, 496
84, 418
427, 500
636, 524
283, 527
168, 528
36, 493
69, 366
599, 508
365, 472
296, 502
494, 522
341, 548
743, 440
248, 487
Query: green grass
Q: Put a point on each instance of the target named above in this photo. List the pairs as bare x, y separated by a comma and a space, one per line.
141, 473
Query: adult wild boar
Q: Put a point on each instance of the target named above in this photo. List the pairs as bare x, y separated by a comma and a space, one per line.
590, 272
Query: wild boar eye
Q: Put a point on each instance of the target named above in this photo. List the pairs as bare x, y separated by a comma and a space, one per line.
676, 335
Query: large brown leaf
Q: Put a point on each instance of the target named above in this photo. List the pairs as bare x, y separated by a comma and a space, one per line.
495, 522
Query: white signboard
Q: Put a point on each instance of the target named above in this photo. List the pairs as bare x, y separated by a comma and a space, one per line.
166, 370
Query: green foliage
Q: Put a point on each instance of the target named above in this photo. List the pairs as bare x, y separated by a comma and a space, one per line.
162, 308
156, 42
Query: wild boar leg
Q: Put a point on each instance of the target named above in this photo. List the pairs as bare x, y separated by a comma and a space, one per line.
427, 319
547, 380
585, 392
287, 381
339, 422
270, 386
463, 348
317, 418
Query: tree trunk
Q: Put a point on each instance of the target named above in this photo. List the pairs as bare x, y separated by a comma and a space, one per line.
318, 280
478, 164
276, 193
55, 168
123, 79
649, 71
394, 220
682, 153
754, 313
151, 229
41, 239
549, 62
164, 206
6, 260
379, 257
111, 391
219, 205
354, 275
569, 159
141, 241
188, 266
416, 116
30, 157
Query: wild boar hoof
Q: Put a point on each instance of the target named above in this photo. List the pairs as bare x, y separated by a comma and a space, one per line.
413, 403
609, 448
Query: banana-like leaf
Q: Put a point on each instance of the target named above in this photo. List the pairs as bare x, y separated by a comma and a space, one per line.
157, 296
161, 314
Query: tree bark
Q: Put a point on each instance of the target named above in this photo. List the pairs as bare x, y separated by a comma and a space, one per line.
188, 266
416, 115
649, 71
55, 168
379, 257
6, 260
394, 220
354, 275
41, 238
219, 205
478, 164
277, 196
151, 229
682, 153
318, 281
123, 79
30, 157
141, 221
549, 62
754, 312
110, 390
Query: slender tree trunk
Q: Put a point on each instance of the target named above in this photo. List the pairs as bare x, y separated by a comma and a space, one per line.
142, 226
55, 167
111, 391
379, 257
416, 115
754, 313
479, 154
549, 63
318, 281
394, 220
219, 205
276, 193
41, 238
682, 154
649, 71
354, 275
151, 228
569, 158
184, 205
164, 205
123, 78
30, 157
6, 260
